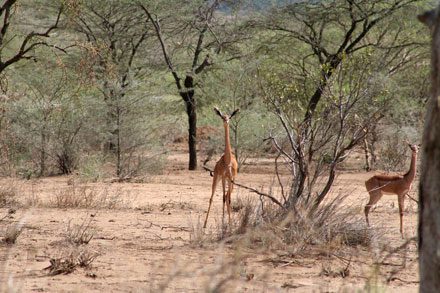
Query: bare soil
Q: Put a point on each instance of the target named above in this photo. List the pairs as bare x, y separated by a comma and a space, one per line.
150, 240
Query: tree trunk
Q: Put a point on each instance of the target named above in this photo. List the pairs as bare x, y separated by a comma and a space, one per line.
43, 152
118, 142
110, 98
367, 155
330, 180
429, 216
374, 139
192, 135
191, 110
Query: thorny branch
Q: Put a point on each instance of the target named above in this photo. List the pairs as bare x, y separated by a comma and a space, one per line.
273, 199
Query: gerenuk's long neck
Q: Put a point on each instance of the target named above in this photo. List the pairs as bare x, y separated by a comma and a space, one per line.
412, 168
228, 151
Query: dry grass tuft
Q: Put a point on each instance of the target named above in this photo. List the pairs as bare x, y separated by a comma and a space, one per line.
61, 266
86, 257
32, 200
198, 237
71, 259
79, 234
248, 211
262, 226
175, 205
11, 234
8, 195
329, 272
85, 197
354, 233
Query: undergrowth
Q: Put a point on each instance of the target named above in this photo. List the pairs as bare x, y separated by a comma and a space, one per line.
85, 197
259, 225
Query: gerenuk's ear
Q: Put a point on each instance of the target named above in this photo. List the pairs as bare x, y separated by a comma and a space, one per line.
428, 18
233, 113
218, 112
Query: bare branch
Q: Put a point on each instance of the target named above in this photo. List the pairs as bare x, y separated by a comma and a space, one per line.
167, 57
27, 45
273, 199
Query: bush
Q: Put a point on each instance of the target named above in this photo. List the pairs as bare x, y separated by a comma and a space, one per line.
91, 168
79, 234
393, 154
268, 227
69, 259
11, 234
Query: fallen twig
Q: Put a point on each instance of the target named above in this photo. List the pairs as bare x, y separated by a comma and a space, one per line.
105, 238
403, 281
1, 219
176, 228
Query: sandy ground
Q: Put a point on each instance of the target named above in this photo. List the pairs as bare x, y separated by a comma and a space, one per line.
146, 243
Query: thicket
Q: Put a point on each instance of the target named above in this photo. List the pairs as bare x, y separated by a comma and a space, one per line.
110, 87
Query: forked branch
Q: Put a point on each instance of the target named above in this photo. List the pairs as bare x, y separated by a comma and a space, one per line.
28, 43
163, 46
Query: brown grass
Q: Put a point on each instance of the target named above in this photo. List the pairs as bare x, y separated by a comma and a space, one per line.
171, 204
69, 260
79, 234
262, 226
85, 197
11, 234
8, 195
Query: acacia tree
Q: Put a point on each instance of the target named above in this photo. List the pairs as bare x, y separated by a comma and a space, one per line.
47, 118
314, 82
351, 104
360, 24
114, 37
190, 37
29, 40
18, 44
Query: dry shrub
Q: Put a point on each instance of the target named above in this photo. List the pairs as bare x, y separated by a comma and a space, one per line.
11, 234
240, 203
92, 168
154, 165
174, 205
393, 154
250, 213
32, 200
79, 234
85, 258
8, 195
69, 259
328, 271
330, 222
85, 197
12, 231
198, 237
259, 225
73, 252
